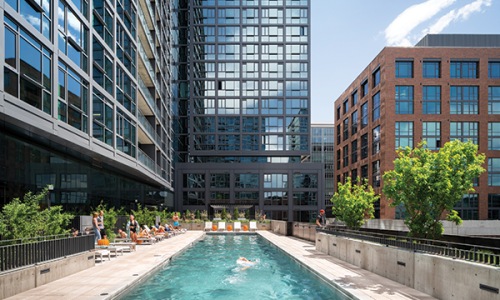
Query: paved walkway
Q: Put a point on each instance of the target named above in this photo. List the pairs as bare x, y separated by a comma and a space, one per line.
110, 278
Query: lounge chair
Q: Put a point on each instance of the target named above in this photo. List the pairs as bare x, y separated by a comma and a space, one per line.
222, 226
208, 226
253, 226
237, 226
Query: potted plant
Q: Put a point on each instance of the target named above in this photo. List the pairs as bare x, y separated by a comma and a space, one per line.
217, 216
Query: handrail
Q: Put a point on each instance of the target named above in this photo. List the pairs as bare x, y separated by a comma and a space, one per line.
475, 253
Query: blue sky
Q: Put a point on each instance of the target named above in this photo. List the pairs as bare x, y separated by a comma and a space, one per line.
348, 34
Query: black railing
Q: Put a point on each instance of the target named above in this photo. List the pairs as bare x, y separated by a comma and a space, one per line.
475, 253
20, 253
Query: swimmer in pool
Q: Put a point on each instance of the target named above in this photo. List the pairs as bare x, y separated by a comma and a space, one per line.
245, 263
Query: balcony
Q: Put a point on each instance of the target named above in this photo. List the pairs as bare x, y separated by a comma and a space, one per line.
145, 34
144, 159
146, 71
146, 97
148, 10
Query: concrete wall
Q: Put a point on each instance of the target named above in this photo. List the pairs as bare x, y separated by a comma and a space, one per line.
468, 227
17, 281
440, 277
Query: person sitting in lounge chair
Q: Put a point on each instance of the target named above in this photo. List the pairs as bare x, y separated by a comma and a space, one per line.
122, 234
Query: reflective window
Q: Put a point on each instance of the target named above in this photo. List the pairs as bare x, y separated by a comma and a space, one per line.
376, 107
126, 10
272, 106
103, 21
354, 151
126, 90
102, 118
73, 98
126, 51
228, 16
494, 206
364, 115
250, 106
464, 100
494, 69
305, 181
431, 69
27, 70
364, 88
468, 207
431, 133
431, 100
275, 181
364, 146
376, 77
376, 173
376, 140
228, 142
248, 181
493, 136
103, 67
464, 69
404, 69
345, 156
35, 12
464, 131
494, 100
354, 98
126, 133
296, 107
220, 180
354, 122
493, 171
273, 142
296, 15
404, 135
73, 36
404, 99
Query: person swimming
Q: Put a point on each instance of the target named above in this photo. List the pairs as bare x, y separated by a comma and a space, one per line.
245, 263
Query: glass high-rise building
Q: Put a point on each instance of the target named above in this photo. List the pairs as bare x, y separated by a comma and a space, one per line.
244, 106
85, 101
322, 151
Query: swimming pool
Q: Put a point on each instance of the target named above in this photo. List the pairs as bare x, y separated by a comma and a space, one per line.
208, 270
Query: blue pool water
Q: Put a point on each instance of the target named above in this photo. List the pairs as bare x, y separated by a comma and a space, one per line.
209, 270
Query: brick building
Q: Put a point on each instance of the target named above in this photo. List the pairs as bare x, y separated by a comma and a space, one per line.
446, 87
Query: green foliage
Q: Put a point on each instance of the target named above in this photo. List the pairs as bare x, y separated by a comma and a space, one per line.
429, 184
236, 213
223, 215
145, 216
197, 215
352, 203
23, 218
247, 214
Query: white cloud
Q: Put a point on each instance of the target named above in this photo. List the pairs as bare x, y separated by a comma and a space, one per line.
396, 34
456, 15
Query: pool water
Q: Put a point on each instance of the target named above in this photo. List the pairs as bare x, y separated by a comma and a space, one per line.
209, 270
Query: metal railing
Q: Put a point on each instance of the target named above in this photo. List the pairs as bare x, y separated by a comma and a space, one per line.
20, 253
474, 253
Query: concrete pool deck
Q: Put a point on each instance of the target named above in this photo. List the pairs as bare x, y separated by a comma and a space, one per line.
111, 277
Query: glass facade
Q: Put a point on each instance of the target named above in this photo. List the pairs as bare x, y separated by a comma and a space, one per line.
96, 85
248, 85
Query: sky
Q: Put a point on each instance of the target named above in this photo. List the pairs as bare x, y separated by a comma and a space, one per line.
346, 35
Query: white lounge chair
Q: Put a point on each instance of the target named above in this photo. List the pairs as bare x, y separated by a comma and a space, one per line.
208, 226
237, 226
222, 226
253, 226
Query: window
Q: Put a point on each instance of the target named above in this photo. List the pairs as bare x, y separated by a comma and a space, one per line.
345, 159
376, 173
364, 115
103, 21
27, 70
126, 134
338, 159
494, 100
494, 69
431, 69
103, 67
376, 140
364, 88
36, 13
73, 36
494, 206
345, 106
464, 131
126, 90
338, 113
220, 180
354, 98
354, 176
345, 129
376, 107
364, 172
354, 151
102, 118
404, 135
464, 100
493, 171
364, 146
431, 100
354, 122
125, 49
404, 99
493, 136
468, 207
376, 77
338, 135
404, 69
463, 69
431, 133
73, 98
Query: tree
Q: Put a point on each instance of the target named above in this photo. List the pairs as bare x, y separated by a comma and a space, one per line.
110, 218
23, 218
428, 184
353, 203
144, 216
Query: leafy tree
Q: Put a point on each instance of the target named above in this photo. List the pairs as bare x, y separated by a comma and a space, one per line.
353, 203
223, 214
197, 214
144, 216
110, 218
428, 184
23, 218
